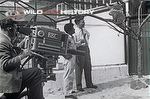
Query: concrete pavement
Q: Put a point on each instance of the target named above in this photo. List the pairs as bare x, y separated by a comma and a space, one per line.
118, 89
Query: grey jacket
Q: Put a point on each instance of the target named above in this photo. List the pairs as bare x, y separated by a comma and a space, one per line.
11, 79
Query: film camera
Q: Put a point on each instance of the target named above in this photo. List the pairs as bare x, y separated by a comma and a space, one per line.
49, 41
46, 44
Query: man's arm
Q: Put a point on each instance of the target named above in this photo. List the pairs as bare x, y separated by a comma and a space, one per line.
77, 41
70, 46
87, 34
7, 61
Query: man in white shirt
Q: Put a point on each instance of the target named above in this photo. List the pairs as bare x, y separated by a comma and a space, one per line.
83, 62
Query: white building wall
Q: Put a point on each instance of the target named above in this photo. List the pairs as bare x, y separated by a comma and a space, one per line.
106, 45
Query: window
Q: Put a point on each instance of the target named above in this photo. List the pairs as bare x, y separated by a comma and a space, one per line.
93, 3
83, 6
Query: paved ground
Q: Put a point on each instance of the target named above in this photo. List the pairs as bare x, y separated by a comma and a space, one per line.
118, 89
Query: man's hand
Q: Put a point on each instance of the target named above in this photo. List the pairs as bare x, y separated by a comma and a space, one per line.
25, 53
67, 56
82, 41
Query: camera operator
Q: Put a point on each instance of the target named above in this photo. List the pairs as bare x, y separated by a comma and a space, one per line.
13, 79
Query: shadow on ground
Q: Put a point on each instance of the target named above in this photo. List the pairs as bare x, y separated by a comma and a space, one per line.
103, 86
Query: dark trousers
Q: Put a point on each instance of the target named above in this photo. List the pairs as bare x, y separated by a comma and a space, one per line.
83, 63
32, 79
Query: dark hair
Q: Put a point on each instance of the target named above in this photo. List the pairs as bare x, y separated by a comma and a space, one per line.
78, 18
68, 27
8, 25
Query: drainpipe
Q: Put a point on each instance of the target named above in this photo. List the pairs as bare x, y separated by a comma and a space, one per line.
126, 7
126, 39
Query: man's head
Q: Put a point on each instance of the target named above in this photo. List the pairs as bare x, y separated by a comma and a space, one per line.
79, 21
69, 28
9, 26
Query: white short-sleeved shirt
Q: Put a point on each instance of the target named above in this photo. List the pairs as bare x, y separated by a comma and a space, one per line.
79, 36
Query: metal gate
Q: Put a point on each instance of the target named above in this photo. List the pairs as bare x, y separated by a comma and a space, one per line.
133, 59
